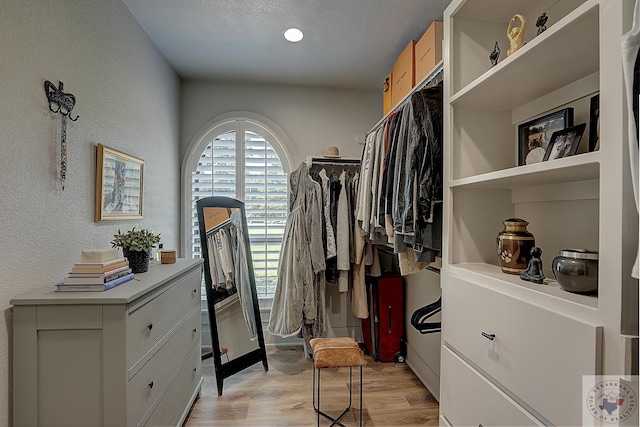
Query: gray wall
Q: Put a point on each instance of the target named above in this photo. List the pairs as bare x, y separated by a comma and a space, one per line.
311, 117
127, 99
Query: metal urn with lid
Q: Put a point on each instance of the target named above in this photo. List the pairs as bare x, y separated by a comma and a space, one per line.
514, 245
576, 270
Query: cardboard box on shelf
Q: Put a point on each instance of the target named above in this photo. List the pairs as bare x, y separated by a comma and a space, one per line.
386, 94
428, 50
403, 74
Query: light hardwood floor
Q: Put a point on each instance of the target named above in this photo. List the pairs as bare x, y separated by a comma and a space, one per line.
392, 395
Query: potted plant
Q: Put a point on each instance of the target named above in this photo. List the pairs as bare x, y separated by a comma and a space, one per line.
136, 246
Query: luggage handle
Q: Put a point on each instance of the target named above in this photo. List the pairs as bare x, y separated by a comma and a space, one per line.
389, 319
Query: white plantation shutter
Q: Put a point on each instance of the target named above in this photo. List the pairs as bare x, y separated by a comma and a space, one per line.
260, 181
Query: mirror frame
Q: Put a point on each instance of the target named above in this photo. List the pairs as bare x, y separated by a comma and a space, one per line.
246, 360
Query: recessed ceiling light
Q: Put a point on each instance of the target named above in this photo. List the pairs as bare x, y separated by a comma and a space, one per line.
293, 35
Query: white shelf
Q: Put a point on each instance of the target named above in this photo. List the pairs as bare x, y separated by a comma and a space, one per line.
549, 294
557, 57
581, 167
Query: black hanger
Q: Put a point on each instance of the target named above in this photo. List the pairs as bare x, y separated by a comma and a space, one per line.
420, 316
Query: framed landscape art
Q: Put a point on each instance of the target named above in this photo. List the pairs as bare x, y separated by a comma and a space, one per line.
534, 135
119, 184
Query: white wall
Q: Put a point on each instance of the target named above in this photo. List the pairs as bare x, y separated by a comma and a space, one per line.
127, 99
423, 350
311, 118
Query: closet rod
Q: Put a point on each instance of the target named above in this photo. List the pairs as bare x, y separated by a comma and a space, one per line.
433, 75
336, 162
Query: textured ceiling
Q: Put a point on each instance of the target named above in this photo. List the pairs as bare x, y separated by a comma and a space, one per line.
347, 43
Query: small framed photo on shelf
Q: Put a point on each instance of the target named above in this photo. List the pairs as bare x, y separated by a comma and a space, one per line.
534, 135
564, 142
594, 123
119, 179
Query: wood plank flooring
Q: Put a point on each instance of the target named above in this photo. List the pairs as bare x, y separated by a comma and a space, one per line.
392, 395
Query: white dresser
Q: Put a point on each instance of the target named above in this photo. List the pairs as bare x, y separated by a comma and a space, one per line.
128, 356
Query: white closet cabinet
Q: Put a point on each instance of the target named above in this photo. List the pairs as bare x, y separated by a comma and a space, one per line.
514, 352
129, 356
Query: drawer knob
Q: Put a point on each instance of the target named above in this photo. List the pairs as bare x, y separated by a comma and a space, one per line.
195, 330
150, 326
489, 336
151, 385
195, 291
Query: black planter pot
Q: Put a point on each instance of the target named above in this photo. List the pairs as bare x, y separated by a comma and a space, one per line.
138, 260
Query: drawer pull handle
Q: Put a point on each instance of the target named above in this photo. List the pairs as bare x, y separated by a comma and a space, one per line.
150, 326
489, 336
150, 385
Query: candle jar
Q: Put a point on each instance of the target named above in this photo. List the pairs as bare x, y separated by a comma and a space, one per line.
514, 245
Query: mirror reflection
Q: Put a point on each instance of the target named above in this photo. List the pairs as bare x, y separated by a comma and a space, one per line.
234, 316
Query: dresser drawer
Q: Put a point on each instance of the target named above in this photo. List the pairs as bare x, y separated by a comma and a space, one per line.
460, 404
152, 320
150, 382
532, 349
182, 391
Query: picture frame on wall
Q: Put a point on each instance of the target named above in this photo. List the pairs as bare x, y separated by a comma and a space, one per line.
594, 123
534, 136
564, 143
119, 185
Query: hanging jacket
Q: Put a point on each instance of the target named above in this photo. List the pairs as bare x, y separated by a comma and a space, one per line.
294, 294
243, 280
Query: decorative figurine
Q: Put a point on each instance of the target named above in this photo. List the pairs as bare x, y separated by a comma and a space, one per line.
541, 23
534, 272
494, 55
516, 34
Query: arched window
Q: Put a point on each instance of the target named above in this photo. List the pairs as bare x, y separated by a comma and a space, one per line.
241, 157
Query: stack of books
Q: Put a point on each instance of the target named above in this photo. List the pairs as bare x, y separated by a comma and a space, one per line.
105, 272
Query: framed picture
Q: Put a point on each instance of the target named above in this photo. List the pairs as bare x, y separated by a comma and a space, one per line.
534, 136
594, 123
119, 179
564, 142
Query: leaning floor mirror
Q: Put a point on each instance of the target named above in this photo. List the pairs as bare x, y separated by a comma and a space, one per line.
234, 316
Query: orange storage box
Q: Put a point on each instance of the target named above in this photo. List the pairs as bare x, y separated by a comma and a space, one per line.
428, 51
403, 74
386, 95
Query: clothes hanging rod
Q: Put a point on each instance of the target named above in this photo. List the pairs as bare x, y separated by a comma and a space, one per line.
433, 74
327, 161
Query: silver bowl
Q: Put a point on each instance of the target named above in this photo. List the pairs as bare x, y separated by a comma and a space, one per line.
576, 270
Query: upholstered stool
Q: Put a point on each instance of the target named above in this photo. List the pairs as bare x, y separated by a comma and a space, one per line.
336, 353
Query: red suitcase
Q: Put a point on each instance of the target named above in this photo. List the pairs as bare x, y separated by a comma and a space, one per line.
383, 330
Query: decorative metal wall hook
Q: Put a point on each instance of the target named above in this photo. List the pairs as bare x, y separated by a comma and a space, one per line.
62, 102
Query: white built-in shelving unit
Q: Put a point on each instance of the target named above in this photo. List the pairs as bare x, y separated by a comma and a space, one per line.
546, 339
